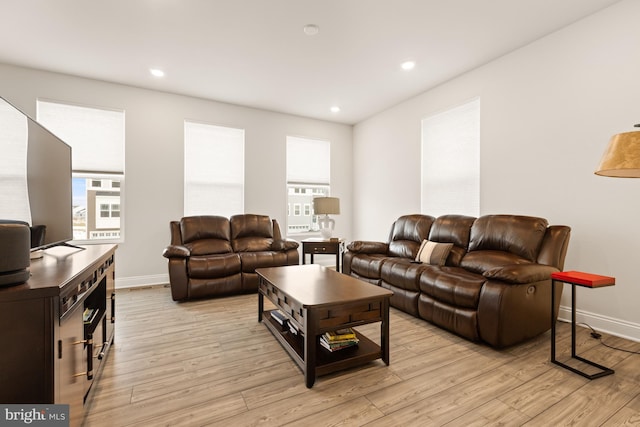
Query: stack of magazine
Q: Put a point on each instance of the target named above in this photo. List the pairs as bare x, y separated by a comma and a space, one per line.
339, 340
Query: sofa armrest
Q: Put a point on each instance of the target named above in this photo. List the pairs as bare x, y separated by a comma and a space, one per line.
365, 247
284, 245
521, 273
176, 251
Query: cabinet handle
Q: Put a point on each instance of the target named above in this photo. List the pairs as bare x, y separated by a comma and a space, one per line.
90, 356
103, 350
113, 308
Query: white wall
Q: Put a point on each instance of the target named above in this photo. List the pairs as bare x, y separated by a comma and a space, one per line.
154, 157
547, 113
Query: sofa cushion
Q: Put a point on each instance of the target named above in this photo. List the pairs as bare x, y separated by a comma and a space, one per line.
516, 234
213, 266
208, 247
482, 261
521, 273
433, 253
452, 285
402, 273
203, 227
368, 265
251, 233
253, 260
407, 234
205, 234
454, 229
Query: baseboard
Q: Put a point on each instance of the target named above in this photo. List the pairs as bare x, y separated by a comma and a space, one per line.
609, 325
140, 281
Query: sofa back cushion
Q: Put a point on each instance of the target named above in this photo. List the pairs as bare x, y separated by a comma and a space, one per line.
251, 233
454, 229
516, 234
407, 234
206, 234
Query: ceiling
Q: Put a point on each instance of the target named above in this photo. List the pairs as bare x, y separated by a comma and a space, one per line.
255, 52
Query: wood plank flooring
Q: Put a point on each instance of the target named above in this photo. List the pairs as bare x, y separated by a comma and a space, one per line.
210, 363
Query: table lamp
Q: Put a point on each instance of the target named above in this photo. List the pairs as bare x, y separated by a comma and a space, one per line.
326, 206
622, 157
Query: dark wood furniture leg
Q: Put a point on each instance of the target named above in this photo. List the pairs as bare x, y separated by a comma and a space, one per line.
384, 332
310, 340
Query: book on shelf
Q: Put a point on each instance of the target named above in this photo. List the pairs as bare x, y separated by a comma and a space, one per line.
338, 345
87, 315
293, 329
279, 317
339, 340
340, 334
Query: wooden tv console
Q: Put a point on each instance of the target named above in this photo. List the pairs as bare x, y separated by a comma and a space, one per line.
49, 352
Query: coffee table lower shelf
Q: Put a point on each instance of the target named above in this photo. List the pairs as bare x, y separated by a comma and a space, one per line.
326, 361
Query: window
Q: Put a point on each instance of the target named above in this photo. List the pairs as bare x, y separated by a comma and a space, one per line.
308, 176
97, 138
451, 161
213, 170
13, 164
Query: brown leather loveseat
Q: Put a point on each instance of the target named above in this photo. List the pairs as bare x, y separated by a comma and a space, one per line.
493, 285
214, 256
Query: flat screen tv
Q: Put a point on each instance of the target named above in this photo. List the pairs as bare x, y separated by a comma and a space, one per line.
35, 178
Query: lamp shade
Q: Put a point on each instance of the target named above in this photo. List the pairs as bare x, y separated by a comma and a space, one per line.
622, 157
326, 205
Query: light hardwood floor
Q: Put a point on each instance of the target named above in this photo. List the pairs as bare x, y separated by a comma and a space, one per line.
210, 362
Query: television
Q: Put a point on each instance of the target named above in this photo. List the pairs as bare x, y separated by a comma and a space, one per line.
35, 178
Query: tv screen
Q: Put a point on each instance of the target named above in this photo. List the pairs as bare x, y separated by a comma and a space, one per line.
36, 178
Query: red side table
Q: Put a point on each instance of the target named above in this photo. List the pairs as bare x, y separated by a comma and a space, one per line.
580, 279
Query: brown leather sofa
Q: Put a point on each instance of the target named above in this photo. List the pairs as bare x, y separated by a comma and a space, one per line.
494, 285
214, 256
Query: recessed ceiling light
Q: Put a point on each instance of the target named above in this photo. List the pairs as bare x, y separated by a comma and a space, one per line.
311, 29
408, 65
335, 109
156, 72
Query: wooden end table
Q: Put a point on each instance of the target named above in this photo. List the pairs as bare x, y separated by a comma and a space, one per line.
316, 300
323, 247
576, 278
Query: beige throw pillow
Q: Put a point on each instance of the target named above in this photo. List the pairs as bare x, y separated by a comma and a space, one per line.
433, 253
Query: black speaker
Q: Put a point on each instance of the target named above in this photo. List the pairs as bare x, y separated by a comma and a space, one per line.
15, 247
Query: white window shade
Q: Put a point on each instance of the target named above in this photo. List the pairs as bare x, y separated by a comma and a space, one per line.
451, 161
96, 136
213, 170
13, 164
308, 161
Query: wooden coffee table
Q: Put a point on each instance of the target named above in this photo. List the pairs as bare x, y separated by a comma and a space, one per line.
316, 300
